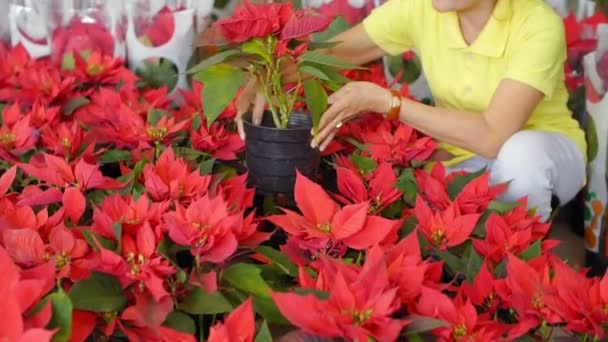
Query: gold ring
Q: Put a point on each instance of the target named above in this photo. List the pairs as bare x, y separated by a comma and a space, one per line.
339, 124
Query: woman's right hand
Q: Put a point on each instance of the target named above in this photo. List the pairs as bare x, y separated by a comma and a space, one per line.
251, 100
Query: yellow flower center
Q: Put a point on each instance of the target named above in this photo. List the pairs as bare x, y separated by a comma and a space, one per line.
109, 316
460, 331
7, 139
62, 259
135, 261
360, 317
157, 133
438, 237
132, 221
536, 302
65, 142
325, 227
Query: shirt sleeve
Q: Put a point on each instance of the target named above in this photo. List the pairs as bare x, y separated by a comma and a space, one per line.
539, 56
390, 26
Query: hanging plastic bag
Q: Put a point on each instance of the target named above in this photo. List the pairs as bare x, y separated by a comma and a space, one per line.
27, 26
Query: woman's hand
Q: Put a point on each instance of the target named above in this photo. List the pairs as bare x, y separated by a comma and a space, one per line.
251, 99
353, 99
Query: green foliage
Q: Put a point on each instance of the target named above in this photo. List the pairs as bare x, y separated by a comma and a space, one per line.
222, 83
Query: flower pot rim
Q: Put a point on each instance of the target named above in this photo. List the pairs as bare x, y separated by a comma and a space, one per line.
247, 121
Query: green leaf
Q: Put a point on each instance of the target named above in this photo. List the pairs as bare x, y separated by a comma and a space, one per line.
459, 182
181, 322
213, 60
68, 62
337, 26
355, 143
533, 251
247, 277
222, 82
316, 57
154, 115
256, 47
366, 165
199, 302
452, 261
267, 308
502, 208
98, 293
189, 153
313, 71
420, 324
114, 156
117, 230
280, 260
62, 316
74, 104
264, 334
322, 45
323, 295
206, 166
316, 100
592, 139
158, 74
407, 183
90, 236
474, 264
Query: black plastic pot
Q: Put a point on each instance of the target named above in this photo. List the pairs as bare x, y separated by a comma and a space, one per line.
274, 154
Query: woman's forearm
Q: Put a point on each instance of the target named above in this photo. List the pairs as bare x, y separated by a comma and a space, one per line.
468, 130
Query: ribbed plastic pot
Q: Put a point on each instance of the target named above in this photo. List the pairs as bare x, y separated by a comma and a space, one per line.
274, 154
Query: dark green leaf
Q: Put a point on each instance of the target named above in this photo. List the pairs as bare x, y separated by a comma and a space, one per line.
366, 165
319, 58
474, 264
358, 145
316, 100
206, 166
93, 238
480, 227
200, 302
117, 230
313, 71
256, 47
197, 122
154, 115
74, 104
322, 45
222, 82
98, 293
213, 60
62, 316
264, 334
452, 261
247, 277
420, 324
268, 310
189, 153
407, 183
459, 182
114, 156
158, 74
533, 251
317, 293
280, 260
181, 322
502, 207
337, 26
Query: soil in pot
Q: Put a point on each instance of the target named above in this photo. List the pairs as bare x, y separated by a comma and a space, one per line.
274, 154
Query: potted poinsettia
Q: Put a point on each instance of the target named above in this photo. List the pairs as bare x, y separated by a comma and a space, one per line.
267, 38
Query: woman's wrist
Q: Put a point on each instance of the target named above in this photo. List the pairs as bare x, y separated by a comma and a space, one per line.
394, 105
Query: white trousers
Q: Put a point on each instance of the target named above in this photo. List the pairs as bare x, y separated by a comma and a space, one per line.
538, 165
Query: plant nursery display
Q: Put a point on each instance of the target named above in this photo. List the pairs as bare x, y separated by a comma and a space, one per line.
125, 215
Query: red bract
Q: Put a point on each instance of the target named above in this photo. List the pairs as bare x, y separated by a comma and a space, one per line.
79, 36
239, 325
170, 179
17, 295
400, 147
43, 84
433, 187
132, 213
357, 308
164, 131
255, 21
445, 228
158, 31
464, 324
380, 190
206, 227
481, 292
17, 134
324, 221
520, 219
64, 139
501, 239
99, 70
68, 253
218, 141
477, 195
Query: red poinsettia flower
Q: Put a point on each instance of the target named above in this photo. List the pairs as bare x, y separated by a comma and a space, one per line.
43, 116
324, 221
164, 131
528, 291
239, 325
400, 147
255, 21
81, 35
98, 70
17, 134
206, 226
236, 193
69, 253
170, 179
380, 190
464, 324
64, 139
433, 186
481, 292
520, 219
16, 297
446, 228
159, 30
501, 239
218, 141
357, 308
477, 195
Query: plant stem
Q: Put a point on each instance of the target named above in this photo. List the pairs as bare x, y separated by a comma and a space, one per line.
201, 328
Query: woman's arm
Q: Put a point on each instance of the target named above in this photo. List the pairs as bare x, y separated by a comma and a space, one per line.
481, 133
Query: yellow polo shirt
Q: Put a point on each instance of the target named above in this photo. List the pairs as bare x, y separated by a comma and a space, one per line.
523, 40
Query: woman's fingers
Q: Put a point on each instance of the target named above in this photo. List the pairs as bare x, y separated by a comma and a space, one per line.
333, 117
328, 140
259, 104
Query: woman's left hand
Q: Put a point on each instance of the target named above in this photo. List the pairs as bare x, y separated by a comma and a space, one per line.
348, 102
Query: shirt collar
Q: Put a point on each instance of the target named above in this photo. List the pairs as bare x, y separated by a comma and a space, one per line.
493, 38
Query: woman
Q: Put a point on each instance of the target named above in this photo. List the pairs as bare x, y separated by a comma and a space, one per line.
495, 68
